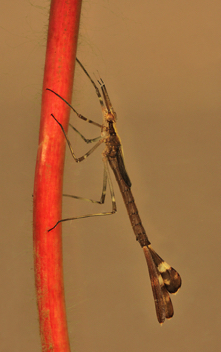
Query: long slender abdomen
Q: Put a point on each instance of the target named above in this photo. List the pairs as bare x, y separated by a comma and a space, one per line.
132, 210
164, 279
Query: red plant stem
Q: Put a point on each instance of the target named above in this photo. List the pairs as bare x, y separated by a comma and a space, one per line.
58, 76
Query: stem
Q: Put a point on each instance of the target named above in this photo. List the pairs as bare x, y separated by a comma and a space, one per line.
58, 76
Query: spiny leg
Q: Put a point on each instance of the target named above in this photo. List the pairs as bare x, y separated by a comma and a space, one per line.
114, 208
106, 176
103, 194
70, 146
78, 115
92, 140
95, 86
106, 105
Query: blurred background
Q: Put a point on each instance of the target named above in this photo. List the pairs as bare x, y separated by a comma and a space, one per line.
160, 61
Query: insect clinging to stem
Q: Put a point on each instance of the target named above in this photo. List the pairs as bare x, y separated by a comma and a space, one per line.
164, 279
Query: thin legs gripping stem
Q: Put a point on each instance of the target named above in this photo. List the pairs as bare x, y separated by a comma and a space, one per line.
114, 208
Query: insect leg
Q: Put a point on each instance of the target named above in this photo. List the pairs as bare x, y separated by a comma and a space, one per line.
103, 194
78, 115
70, 146
95, 86
92, 140
114, 208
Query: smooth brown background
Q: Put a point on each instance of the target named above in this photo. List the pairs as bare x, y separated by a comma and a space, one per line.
161, 63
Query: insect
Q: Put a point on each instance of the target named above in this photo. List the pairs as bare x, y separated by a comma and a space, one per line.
164, 279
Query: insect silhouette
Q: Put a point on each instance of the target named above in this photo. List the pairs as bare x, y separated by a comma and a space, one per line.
164, 279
